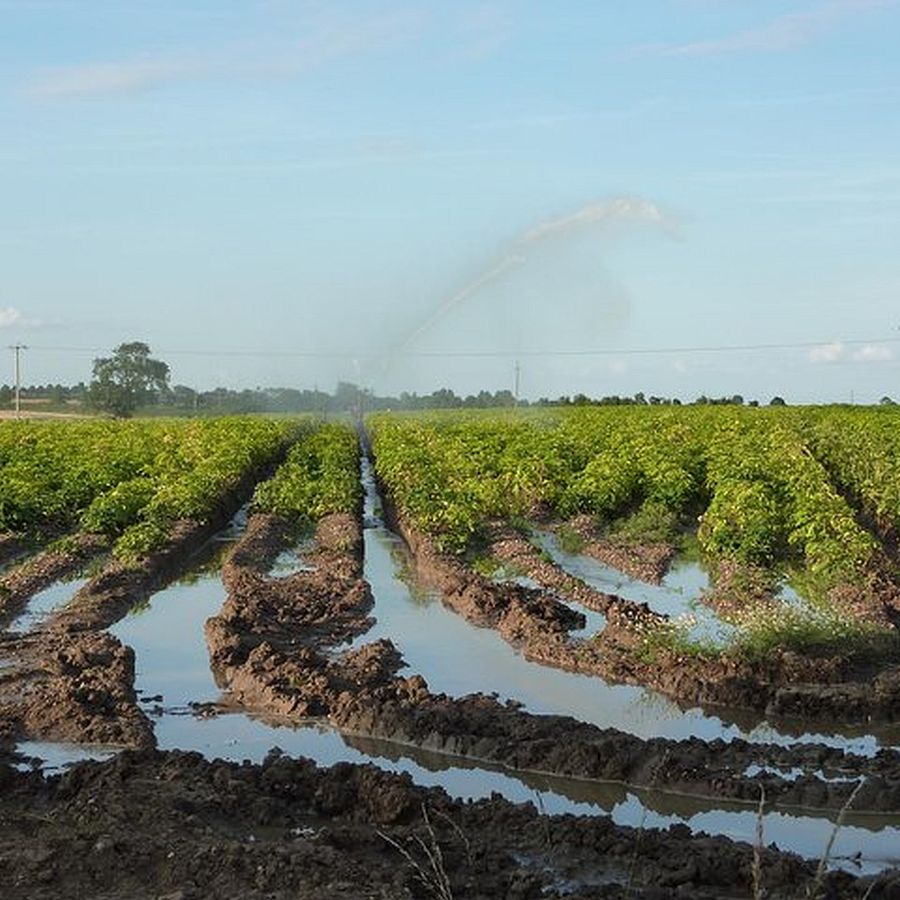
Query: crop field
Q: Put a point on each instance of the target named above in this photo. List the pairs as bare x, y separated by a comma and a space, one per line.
764, 497
660, 621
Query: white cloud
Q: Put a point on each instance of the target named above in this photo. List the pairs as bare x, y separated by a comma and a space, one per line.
872, 353
111, 78
838, 352
827, 353
784, 32
9, 317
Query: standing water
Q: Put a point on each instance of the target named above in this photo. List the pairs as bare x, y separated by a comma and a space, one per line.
173, 677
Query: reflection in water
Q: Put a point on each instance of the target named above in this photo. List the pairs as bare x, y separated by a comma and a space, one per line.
46, 602
677, 596
172, 661
56, 757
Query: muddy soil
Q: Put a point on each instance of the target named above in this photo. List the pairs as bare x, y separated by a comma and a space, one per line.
69, 680
77, 688
521, 555
784, 684
276, 646
647, 562
21, 582
538, 624
154, 824
11, 546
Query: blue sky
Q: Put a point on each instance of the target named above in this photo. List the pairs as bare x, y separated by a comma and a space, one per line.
416, 194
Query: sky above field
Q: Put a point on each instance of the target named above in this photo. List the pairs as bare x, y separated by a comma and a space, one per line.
417, 194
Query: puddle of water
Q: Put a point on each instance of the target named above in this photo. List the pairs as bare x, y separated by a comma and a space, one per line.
167, 636
46, 602
238, 737
457, 658
876, 839
289, 562
59, 756
172, 660
236, 527
794, 773
678, 596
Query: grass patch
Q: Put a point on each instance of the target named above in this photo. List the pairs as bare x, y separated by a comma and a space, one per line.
818, 631
485, 566
674, 638
569, 540
650, 523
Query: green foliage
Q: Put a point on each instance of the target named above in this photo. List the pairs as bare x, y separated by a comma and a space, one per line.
141, 538
765, 480
652, 521
451, 472
112, 512
108, 477
319, 476
127, 379
570, 541
813, 631
672, 637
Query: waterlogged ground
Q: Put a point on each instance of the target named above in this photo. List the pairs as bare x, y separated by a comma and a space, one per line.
46, 602
677, 596
174, 681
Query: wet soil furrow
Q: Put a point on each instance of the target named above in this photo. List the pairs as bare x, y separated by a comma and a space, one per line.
274, 646
173, 824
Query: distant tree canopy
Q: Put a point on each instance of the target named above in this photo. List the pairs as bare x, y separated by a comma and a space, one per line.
128, 379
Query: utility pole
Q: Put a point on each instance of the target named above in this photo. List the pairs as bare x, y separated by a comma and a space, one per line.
18, 348
516, 384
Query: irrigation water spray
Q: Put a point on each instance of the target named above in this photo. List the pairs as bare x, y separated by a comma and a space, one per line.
617, 209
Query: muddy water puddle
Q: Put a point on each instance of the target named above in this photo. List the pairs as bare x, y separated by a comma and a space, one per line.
458, 658
677, 596
46, 602
172, 674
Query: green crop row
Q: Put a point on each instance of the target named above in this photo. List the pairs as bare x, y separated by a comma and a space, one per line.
861, 449
129, 480
451, 473
319, 476
765, 497
773, 501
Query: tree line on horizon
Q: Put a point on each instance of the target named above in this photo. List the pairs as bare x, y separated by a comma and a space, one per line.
131, 380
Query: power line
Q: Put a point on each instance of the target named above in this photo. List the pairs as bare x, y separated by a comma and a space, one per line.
505, 354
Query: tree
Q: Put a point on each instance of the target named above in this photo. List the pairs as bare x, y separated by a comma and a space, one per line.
777, 401
128, 379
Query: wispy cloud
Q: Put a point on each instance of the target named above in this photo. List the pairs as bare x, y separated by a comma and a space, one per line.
323, 34
326, 35
873, 353
784, 32
94, 79
10, 317
839, 352
827, 353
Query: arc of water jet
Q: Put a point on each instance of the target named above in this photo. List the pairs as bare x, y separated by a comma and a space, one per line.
506, 263
618, 208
